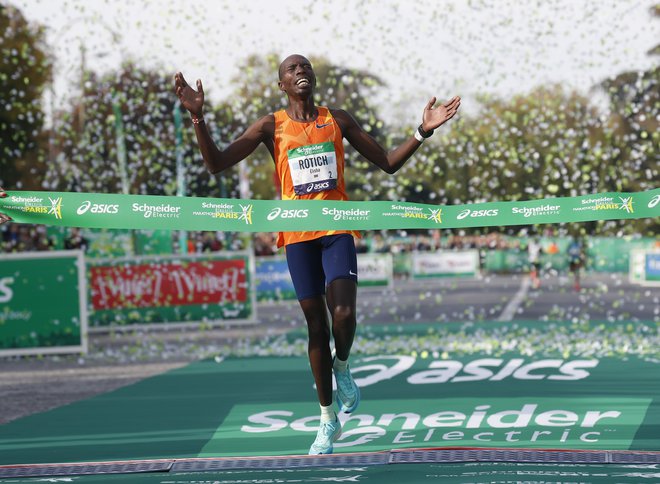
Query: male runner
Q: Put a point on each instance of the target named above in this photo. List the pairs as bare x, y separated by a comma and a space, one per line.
323, 264
534, 251
575, 260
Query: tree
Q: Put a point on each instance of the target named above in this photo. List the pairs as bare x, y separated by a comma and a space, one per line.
25, 71
633, 136
128, 111
530, 146
634, 121
543, 144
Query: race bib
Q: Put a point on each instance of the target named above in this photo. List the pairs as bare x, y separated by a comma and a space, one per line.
313, 168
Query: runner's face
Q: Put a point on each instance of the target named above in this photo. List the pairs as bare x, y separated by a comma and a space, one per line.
297, 75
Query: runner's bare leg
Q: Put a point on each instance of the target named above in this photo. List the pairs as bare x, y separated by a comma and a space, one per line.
318, 347
342, 295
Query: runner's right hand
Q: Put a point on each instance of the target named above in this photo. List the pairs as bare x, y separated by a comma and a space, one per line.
3, 218
190, 99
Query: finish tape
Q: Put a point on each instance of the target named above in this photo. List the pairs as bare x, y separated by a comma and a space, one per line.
99, 210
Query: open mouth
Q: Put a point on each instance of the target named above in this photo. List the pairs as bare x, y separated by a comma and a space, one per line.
302, 82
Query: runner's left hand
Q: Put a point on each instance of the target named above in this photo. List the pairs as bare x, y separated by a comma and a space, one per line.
433, 118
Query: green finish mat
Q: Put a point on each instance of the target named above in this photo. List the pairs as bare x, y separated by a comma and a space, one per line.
267, 406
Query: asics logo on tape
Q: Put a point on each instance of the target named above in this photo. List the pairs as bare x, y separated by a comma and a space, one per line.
477, 213
84, 207
97, 208
277, 212
463, 214
654, 201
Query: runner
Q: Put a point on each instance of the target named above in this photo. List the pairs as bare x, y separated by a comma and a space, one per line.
534, 252
575, 259
305, 142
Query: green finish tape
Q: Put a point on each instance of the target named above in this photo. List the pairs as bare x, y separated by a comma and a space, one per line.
96, 210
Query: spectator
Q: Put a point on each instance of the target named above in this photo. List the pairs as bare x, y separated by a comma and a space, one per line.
265, 244
361, 246
552, 248
25, 239
40, 239
210, 242
11, 237
75, 240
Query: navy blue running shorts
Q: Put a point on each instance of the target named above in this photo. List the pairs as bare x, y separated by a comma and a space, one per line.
314, 264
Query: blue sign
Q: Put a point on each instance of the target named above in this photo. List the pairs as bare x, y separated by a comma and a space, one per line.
273, 280
653, 266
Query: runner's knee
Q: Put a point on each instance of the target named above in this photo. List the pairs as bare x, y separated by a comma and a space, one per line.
343, 314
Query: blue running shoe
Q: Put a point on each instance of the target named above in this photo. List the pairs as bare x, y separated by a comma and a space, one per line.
348, 393
327, 435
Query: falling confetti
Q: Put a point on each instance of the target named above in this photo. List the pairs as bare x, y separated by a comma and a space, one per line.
559, 99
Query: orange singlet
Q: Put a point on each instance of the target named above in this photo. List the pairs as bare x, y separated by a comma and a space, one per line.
309, 162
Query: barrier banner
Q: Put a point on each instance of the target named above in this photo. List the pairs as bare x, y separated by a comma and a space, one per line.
171, 290
652, 267
375, 269
517, 260
445, 264
645, 267
272, 279
611, 254
95, 210
43, 303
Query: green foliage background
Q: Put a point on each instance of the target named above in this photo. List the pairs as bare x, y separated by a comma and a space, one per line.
25, 71
544, 143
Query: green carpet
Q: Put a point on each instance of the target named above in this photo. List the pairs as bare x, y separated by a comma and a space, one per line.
267, 406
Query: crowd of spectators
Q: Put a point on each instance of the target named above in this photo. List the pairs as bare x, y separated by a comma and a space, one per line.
30, 238
398, 242
265, 243
26, 238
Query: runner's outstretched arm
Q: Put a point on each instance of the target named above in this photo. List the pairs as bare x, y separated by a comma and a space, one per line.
217, 160
391, 162
3, 218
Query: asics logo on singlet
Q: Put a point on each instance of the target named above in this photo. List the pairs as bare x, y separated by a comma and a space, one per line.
319, 126
318, 186
654, 201
277, 212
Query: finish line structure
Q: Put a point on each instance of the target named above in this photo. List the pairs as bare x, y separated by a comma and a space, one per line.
358, 459
111, 211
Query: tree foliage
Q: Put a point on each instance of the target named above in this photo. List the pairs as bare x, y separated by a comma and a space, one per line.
544, 143
25, 71
128, 111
